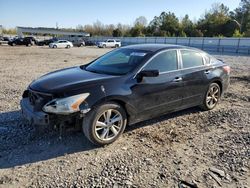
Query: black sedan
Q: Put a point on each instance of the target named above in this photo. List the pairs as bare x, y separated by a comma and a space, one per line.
27, 41
125, 86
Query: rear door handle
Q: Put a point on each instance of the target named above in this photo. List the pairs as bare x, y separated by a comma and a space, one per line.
177, 79
207, 71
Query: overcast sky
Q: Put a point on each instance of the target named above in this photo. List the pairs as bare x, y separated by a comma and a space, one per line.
70, 13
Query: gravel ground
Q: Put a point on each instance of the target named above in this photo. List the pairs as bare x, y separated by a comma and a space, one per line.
191, 148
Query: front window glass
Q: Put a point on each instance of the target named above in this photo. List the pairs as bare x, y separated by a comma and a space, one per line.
164, 62
118, 62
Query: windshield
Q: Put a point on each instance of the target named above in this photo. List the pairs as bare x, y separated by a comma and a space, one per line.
117, 62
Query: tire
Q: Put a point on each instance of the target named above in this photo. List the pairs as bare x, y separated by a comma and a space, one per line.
104, 46
55, 46
212, 97
104, 133
68, 46
116, 46
13, 44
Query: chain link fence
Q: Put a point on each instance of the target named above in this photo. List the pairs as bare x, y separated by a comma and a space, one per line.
229, 45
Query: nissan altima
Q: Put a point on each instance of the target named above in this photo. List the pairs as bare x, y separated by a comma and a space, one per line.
126, 86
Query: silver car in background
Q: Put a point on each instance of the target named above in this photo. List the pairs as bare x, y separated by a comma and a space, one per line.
61, 44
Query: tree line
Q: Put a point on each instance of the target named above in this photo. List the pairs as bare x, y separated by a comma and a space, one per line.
219, 21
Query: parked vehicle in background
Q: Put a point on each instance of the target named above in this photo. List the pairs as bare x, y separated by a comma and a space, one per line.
89, 43
126, 86
84, 42
61, 44
46, 42
110, 43
27, 41
3, 40
79, 43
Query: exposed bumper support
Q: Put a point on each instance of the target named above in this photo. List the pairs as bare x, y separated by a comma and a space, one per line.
34, 117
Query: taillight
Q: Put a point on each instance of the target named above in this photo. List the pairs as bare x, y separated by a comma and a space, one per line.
227, 69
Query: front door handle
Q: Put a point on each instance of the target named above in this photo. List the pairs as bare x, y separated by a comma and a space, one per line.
177, 79
207, 71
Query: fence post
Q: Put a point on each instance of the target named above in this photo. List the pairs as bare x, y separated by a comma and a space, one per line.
176, 40
189, 40
218, 46
237, 50
155, 40
202, 46
145, 40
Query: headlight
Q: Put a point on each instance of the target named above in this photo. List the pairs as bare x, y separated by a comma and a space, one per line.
66, 105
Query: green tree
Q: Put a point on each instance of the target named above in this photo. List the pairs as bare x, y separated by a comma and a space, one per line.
214, 21
117, 33
242, 15
167, 22
237, 33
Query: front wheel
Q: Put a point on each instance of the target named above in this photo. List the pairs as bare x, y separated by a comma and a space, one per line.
212, 97
105, 123
55, 46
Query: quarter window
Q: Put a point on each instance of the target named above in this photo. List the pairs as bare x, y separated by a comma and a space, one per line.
191, 58
165, 61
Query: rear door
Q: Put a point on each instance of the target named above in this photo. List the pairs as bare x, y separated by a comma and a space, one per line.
194, 77
156, 95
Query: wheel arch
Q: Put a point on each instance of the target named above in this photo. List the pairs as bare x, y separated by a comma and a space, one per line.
129, 109
219, 82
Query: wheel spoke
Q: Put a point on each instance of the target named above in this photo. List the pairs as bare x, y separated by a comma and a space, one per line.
114, 120
216, 91
117, 127
215, 99
104, 133
100, 124
107, 115
209, 98
113, 129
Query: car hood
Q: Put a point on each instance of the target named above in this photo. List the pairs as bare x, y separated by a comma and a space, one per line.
67, 79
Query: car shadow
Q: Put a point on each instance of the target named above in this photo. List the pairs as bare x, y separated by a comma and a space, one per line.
22, 144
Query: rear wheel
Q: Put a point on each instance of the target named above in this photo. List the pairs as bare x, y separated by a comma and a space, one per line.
68, 46
116, 46
55, 46
105, 123
212, 97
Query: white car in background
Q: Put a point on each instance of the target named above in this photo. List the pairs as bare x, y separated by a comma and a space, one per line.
61, 44
111, 43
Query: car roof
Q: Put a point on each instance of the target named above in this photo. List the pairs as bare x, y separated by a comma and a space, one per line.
157, 47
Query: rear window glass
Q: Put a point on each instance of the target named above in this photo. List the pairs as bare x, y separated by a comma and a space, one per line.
191, 58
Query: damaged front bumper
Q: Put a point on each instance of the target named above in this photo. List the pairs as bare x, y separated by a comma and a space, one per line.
41, 118
34, 117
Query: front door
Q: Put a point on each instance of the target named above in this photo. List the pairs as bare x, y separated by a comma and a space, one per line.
157, 95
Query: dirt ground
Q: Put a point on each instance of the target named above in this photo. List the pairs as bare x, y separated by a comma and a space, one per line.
191, 148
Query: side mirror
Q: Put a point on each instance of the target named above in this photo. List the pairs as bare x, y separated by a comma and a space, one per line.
147, 73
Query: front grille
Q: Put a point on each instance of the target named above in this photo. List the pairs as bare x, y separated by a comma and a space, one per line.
38, 99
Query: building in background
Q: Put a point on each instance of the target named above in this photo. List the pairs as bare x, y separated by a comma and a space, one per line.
52, 32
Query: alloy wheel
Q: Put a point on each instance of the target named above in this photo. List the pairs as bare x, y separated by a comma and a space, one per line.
108, 125
213, 96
